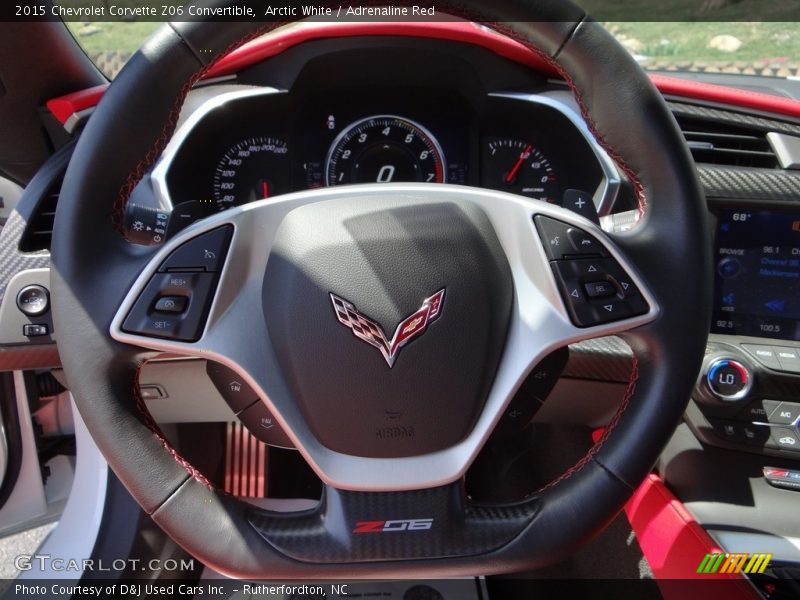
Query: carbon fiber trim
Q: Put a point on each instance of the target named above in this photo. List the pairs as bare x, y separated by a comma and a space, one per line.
12, 261
326, 535
35, 356
738, 183
792, 127
602, 359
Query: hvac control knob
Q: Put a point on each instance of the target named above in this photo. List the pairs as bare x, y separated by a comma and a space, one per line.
728, 379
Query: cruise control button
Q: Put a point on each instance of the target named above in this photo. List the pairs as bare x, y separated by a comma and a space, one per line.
197, 291
763, 354
788, 358
206, 252
171, 304
786, 413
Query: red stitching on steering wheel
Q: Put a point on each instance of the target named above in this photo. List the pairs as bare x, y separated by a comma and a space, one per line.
160, 143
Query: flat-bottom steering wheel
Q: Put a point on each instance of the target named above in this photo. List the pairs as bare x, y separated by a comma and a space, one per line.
340, 306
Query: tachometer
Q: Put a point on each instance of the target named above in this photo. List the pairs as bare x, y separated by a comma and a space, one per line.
384, 149
253, 169
518, 167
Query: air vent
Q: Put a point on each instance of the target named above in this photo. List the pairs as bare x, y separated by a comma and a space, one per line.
39, 231
723, 144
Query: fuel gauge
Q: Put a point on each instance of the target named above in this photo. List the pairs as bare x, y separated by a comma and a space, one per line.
518, 167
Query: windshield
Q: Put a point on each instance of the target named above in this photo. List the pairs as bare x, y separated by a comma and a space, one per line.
742, 48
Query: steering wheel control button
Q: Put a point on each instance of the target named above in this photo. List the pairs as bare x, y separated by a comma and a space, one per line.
204, 253
262, 424
35, 330
531, 395
582, 203
562, 240
171, 304
231, 386
597, 290
765, 355
786, 413
582, 242
728, 379
33, 300
193, 290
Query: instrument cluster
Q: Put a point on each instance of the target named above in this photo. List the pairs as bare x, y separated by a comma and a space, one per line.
258, 143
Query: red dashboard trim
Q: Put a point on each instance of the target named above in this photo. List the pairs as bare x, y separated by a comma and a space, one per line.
63, 107
458, 31
259, 49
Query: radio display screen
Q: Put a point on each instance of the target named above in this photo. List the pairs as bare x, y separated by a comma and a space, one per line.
757, 274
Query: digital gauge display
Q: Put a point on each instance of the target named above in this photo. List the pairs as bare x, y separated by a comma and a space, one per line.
384, 149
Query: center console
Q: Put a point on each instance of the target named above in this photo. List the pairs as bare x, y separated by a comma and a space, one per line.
748, 395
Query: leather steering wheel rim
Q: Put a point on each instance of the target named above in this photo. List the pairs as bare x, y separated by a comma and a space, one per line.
94, 267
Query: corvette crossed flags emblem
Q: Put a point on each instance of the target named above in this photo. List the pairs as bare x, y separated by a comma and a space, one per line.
371, 332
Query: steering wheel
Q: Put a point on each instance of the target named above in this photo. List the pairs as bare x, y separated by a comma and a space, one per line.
302, 295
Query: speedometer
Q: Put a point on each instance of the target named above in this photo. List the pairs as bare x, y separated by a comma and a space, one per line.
254, 169
384, 149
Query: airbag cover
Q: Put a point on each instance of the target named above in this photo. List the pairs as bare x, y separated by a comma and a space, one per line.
369, 263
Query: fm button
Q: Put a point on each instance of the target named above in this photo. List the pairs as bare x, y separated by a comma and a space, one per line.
728, 379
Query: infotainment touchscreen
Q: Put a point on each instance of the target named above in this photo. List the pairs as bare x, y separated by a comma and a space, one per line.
757, 274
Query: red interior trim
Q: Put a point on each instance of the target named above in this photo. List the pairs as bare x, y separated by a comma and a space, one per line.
675, 544
457, 31
460, 31
63, 107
